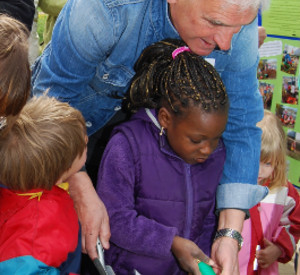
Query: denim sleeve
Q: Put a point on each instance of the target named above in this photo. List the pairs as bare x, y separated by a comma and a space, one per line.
81, 38
238, 187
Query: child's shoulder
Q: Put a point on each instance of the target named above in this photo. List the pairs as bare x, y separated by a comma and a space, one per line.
292, 191
276, 195
44, 218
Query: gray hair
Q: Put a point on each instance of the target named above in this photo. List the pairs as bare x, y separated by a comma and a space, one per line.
246, 4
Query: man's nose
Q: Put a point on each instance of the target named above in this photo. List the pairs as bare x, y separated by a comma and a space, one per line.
224, 36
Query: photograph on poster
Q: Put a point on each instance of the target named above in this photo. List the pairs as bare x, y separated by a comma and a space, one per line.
293, 144
287, 115
290, 59
290, 90
266, 90
266, 69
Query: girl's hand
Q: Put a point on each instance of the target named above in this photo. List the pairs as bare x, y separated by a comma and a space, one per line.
187, 253
268, 255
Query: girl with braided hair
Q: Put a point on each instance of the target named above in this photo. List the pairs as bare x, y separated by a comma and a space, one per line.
160, 170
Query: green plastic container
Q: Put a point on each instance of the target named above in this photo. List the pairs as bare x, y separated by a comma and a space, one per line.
206, 269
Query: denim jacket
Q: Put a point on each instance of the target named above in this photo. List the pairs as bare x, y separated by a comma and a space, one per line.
89, 63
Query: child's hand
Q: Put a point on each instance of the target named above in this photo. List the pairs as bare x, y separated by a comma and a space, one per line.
268, 255
187, 253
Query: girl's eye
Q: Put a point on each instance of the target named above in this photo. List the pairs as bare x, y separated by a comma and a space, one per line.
268, 164
196, 141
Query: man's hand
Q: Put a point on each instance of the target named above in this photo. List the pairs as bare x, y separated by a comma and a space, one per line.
225, 249
262, 35
268, 255
91, 212
225, 254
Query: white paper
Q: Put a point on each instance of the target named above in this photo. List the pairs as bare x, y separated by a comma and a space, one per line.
211, 61
270, 48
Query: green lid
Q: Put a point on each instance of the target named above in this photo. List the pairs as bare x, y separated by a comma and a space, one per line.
206, 269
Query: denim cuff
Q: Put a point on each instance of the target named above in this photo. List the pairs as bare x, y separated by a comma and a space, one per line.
241, 196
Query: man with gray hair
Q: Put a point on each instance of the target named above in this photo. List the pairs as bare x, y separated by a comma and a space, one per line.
90, 63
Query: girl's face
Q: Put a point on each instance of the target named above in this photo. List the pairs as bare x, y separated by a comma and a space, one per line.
265, 171
196, 136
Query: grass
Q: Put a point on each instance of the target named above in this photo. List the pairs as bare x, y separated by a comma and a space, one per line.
41, 24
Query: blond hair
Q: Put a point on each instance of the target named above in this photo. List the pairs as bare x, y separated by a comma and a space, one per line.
273, 148
41, 144
14, 66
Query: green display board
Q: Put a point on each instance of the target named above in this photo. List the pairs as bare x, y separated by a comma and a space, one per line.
279, 75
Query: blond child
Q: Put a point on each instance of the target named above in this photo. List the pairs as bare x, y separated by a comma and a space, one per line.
272, 232
39, 228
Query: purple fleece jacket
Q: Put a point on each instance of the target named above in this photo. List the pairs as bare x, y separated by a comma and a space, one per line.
152, 195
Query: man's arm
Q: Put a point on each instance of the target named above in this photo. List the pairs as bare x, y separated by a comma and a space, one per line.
91, 212
238, 190
225, 249
78, 46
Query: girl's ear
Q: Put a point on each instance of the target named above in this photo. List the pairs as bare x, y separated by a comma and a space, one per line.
164, 117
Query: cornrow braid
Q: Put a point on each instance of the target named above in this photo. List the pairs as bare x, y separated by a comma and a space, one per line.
186, 79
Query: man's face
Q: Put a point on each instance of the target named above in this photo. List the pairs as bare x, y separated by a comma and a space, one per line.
205, 24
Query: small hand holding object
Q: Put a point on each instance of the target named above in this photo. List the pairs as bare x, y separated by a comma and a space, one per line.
189, 255
268, 255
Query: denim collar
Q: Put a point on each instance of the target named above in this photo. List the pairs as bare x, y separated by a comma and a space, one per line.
159, 10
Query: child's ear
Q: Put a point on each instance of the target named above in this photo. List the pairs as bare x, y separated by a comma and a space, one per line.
164, 117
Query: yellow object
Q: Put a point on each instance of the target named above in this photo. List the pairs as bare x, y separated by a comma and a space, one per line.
38, 195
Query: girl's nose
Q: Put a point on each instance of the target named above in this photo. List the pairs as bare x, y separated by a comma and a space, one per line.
207, 148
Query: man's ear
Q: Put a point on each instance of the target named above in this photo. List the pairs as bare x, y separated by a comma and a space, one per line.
164, 117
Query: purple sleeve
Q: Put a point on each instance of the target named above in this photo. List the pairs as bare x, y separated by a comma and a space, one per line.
116, 187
